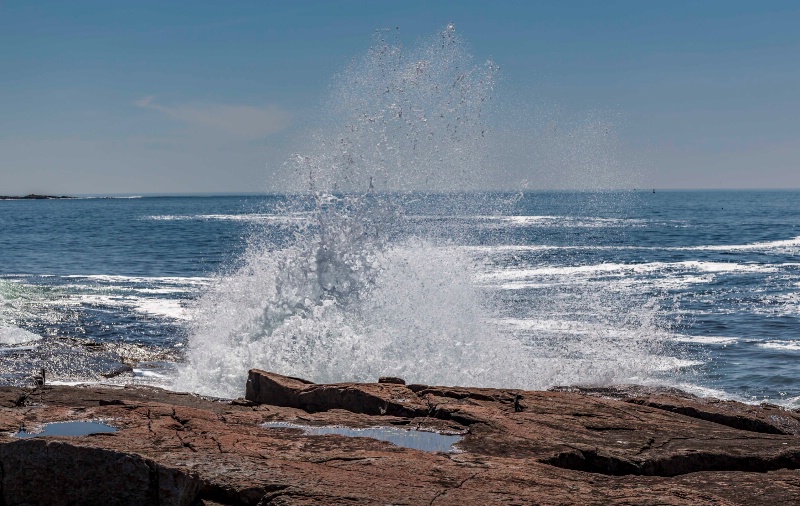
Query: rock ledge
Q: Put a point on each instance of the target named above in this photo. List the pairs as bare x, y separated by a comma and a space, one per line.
616, 445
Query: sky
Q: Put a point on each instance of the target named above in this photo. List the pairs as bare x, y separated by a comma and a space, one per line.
101, 97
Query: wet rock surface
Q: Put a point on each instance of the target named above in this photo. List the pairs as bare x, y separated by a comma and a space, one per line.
626, 445
74, 360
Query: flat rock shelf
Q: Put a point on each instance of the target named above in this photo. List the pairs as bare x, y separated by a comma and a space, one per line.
613, 445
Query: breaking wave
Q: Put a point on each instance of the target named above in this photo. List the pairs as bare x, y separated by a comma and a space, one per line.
358, 293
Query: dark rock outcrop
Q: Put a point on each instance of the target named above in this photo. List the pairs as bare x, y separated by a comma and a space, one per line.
368, 398
391, 379
519, 447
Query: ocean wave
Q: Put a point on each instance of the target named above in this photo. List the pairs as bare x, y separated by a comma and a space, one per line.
165, 308
249, 217
549, 221
721, 340
767, 245
108, 197
11, 335
780, 246
665, 283
566, 326
126, 280
703, 391
523, 248
780, 345
621, 269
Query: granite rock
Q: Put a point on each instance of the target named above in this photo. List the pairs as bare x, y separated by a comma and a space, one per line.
519, 447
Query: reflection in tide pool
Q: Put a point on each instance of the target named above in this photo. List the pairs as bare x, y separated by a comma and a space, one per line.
408, 438
68, 429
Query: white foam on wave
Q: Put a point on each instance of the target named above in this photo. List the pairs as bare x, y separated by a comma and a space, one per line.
618, 269
524, 248
121, 288
150, 374
521, 285
708, 392
127, 280
167, 308
780, 345
160, 291
548, 221
291, 218
782, 304
568, 327
418, 315
567, 221
671, 282
110, 197
720, 340
790, 244
525, 324
11, 335
673, 363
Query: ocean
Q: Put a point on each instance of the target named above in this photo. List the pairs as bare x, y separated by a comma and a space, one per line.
694, 289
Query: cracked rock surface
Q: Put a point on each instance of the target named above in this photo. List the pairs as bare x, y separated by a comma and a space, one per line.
618, 445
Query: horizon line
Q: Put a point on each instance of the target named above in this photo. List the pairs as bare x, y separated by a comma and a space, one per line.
489, 190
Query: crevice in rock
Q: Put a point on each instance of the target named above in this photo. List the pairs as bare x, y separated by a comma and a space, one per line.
341, 459
243, 497
460, 484
2, 479
435, 411
628, 413
181, 421
598, 428
153, 492
593, 461
647, 446
288, 492
729, 420
219, 445
457, 394
272, 492
184, 443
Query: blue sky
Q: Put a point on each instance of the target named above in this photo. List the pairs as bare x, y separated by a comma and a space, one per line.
141, 97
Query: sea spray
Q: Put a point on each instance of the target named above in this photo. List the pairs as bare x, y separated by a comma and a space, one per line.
361, 289
403, 120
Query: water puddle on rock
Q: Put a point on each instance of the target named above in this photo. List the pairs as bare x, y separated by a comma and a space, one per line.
68, 429
408, 438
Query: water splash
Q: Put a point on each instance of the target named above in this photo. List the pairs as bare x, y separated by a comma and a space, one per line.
403, 120
357, 292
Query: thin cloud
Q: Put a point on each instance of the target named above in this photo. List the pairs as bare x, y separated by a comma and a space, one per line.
243, 121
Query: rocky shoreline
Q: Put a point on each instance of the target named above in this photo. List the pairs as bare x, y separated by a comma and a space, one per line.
613, 445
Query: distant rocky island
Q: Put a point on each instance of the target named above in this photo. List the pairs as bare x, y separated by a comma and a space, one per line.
34, 196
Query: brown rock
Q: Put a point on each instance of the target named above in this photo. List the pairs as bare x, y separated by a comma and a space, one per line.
391, 379
766, 418
368, 398
519, 447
